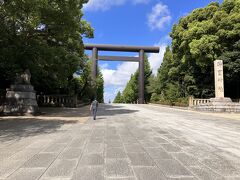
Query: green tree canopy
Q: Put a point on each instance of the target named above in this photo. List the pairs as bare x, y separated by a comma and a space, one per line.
130, 93
100, 88
83, 86
202, 37
45, 37
118, 98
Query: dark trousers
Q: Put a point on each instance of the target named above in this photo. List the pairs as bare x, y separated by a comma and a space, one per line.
94, 111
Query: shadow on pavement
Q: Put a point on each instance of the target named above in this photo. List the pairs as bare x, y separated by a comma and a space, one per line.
103, 110
112, 110
15, 129
51, 120
65, 112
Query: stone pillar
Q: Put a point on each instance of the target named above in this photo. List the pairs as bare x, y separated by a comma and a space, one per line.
141, 77
190, 101
219, 103
94, 68
94, 63
219, 82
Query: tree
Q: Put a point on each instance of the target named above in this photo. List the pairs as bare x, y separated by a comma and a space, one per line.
118, 98
166, 72
232, 71
100, 88
83, 85
147, 78
45, 37
152, 86
200, 38
130, 93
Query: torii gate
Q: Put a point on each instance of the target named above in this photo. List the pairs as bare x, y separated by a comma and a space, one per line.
140, 49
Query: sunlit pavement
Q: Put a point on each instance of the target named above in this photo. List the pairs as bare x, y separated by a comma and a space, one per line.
126, 142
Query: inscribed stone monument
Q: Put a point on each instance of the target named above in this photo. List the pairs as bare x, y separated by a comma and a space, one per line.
219, 103
219, 82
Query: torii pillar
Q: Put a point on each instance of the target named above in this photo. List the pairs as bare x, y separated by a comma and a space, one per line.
94, 63
141, 77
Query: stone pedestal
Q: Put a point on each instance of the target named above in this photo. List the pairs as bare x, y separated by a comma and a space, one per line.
219, 105
20, 100
220, 100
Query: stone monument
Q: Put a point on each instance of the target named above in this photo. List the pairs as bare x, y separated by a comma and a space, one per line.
219, 103
219, 84
21, 97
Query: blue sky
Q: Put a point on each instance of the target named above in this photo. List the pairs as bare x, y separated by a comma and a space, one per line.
133, 22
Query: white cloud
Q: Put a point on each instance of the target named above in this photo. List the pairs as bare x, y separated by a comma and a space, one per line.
104, 66
159, 16
155, 60
111, 92
103, 5
95, 5
116, 79
121, 75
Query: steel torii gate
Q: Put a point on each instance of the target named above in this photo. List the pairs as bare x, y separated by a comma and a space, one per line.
140, 49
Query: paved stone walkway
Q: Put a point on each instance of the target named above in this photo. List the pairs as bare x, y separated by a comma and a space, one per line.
126, 142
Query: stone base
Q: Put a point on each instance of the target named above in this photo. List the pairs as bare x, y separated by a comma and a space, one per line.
18, 110
221, 100
219, 105
22, 88
20, 100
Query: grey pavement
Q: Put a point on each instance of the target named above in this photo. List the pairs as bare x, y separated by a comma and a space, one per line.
126, 142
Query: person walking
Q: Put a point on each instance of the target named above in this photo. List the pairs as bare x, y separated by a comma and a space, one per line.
93, 108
